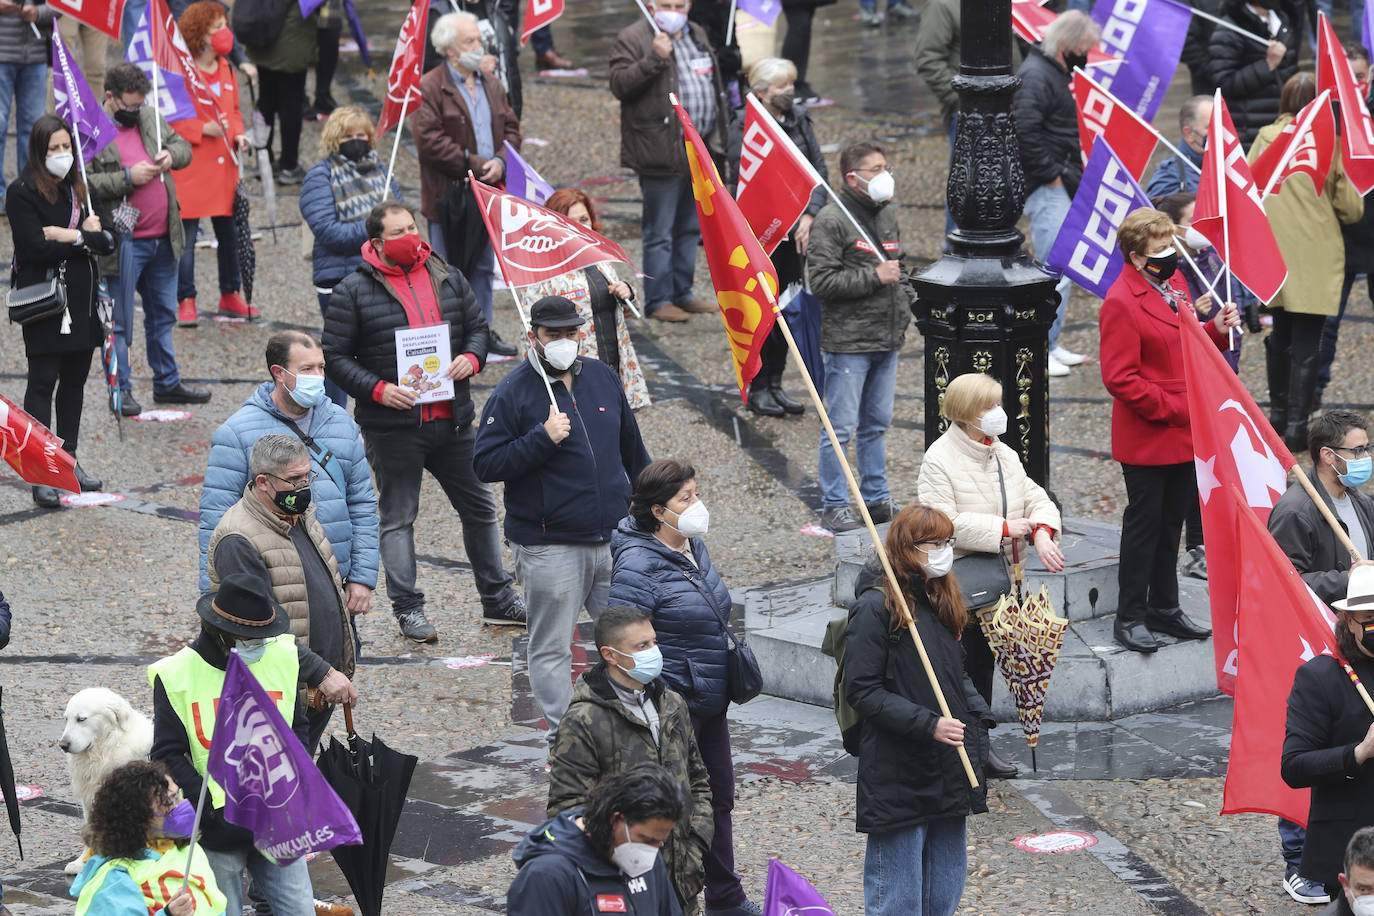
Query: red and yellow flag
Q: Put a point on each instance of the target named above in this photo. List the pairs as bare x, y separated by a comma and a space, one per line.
737, 261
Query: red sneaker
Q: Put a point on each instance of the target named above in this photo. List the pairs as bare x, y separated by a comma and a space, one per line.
232, 304
186, 313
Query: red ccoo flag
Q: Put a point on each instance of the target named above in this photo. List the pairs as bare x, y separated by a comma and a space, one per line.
775, 179
1282, 624
1312, 138
1101, 115
171, 53
1230, 212
538, 14
1357, 129
1233, 445
403, 80
738, 262
33, 451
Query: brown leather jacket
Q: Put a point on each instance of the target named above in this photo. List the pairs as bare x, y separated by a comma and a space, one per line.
651, 140
444, 136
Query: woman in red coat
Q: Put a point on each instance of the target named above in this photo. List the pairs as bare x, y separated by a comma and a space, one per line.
1142, 367
206, 186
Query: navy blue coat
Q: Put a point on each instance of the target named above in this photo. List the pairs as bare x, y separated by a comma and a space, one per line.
689, 605
338, 247
572, 492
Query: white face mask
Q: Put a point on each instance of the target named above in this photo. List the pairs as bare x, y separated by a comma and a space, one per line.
1363, 906
994, 422
693, 522
634, 859
59, 164
670, 21
939, 562
1196, 240
471, 61
880, 187
561, 353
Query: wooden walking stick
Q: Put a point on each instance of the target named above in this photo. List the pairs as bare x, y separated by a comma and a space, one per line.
897, 589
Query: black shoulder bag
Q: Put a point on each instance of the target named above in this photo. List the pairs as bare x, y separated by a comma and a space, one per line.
983, 577
27, 304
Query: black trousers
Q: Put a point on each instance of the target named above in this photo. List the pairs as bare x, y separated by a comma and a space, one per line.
796, 44
979, 661
66, 373
328, 61
1158, 500
282, 93
773, 354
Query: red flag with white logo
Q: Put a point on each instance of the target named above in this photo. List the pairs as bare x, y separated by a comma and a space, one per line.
1357, 129
1233, 445
403, 80
775, 179
534, 244
105, 15
1101, 115
1282, 624
1230, 212
171, 53
33, 451
1305, 146
538, 14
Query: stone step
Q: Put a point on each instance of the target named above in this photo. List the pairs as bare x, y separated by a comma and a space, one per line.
1094, 679
1085, 589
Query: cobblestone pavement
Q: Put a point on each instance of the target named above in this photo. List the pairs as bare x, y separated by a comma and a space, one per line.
100, 592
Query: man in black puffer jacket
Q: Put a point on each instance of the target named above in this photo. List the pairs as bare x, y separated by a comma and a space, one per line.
401, 284
1250, 76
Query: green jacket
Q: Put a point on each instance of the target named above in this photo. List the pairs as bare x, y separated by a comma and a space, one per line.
296, 48
597, 736
937, 53
108, 183
859, 314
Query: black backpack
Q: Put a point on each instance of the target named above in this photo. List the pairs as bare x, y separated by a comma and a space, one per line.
258, 23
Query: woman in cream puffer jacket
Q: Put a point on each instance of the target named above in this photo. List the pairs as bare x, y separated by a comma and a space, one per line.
960, 477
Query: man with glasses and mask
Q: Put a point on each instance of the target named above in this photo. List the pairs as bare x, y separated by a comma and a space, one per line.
1339, 444
560, 433
272, 534
1173, 175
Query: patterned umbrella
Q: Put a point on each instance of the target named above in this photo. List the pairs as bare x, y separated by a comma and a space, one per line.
243, 235
1025, 635
109, 359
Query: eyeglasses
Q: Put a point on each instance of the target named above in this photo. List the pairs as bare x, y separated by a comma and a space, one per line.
1359, 451
937, 545
296, 483
874, 169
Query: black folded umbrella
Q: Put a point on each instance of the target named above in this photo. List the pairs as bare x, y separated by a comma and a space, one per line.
7, 784
372, 779
243, 235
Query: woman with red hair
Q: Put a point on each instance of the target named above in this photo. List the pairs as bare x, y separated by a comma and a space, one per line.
600, 297
206, 186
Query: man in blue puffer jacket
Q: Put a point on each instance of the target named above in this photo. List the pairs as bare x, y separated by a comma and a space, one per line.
294, 403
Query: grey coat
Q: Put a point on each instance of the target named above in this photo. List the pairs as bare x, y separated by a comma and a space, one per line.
18, 43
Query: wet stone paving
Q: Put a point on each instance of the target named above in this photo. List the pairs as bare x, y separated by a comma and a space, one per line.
101, 591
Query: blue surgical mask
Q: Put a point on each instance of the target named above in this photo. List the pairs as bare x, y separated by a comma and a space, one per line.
309, 390
251, 650
179, 822
1356, 471
648, 663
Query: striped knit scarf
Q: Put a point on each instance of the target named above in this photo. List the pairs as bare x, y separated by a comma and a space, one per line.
357, 186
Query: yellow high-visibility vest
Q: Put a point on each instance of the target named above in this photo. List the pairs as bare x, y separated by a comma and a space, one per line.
159, 880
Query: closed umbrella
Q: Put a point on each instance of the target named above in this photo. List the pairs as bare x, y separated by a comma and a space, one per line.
109, 359
802, 312
243, 235
261, 135
7, 785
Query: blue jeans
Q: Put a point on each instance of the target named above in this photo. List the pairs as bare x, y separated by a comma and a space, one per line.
1046, 208
481, 278
147, 266
25, 88
671, 234
1330, 334
331, 390
916, 871
1356, 20
227, 255
287, 889
542, 40
873, 4
1292, 838
859, 389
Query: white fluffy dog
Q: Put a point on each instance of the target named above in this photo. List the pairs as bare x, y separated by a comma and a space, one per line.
102, 733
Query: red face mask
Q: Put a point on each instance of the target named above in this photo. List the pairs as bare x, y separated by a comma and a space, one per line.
222, 41
404, 250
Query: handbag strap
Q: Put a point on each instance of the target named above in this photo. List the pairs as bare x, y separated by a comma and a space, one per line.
711, 603
1001, 484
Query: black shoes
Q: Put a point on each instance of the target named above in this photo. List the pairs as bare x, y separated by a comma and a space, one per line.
1133, 635
291, 176
883, 511
1173, 622
47, 497
786, 403
88, 483
514, 614
415, 625
128, 407
997, 768
498, 346
181, 395
840, 518
763, 403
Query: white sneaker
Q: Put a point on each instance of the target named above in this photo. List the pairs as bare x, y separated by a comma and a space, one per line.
1068, 358
1057, 369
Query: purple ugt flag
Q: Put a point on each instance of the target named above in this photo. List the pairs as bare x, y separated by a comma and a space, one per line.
789, 894
309, 6
1085, 250
1148, 36
271, 786
77, 105
524, 182
765, 11
1367, 29
355, 26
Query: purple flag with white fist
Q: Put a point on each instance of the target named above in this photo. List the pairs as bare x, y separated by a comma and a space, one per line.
765, 11
522, 180
271, 786
173, 101
77, 105
1148, 36
309, 6
789, 894
1085, 250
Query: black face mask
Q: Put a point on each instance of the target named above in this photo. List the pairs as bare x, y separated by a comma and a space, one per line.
1075, 60
292, 502
1160, 267
355, 149
1367, 640
126, 118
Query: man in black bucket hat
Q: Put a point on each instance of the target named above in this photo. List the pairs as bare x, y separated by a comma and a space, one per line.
240, 617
